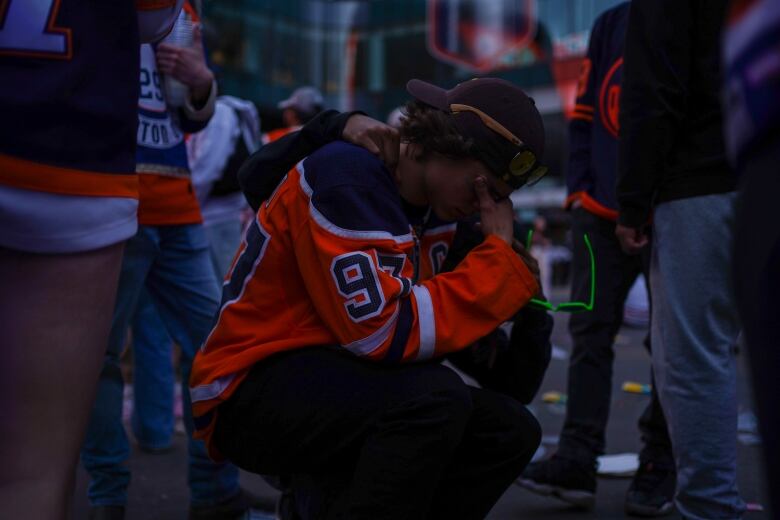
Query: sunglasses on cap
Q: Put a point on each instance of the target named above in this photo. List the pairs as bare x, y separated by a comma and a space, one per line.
569, 306
524, 164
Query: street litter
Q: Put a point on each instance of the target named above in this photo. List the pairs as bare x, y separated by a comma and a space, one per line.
618, 465
632, 387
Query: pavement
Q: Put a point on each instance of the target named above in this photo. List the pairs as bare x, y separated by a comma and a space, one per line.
158, 490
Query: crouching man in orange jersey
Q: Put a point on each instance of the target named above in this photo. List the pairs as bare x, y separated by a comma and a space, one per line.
322, 360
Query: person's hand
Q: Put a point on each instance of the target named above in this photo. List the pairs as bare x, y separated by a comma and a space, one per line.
632, 240
531, 263
188, 65
378, 138
496, 217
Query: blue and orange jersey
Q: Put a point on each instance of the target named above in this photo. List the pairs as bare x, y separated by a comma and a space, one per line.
166, 193
333, 259
594, 129
68, 96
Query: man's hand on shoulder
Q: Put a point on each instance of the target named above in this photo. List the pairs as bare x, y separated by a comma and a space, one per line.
378, 138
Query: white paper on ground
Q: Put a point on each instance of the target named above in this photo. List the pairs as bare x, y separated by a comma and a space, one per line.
618, 465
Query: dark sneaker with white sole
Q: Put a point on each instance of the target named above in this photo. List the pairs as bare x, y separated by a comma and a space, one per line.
652, 491
561, 478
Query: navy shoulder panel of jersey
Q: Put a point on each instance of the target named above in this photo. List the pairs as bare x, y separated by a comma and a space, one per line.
352, 189
612, 22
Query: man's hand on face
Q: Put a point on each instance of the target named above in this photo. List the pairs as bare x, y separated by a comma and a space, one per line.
632, 240
496, 216
378, 138
188, 65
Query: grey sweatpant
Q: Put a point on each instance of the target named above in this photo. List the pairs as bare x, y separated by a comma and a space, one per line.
694, 332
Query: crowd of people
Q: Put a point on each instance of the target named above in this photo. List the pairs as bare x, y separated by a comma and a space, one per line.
338, 290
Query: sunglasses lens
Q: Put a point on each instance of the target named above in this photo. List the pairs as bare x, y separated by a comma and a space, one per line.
522, 163
536, 175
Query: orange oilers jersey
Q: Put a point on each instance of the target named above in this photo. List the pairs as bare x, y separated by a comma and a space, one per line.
331, 260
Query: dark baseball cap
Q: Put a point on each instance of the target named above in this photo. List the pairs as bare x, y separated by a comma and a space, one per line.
500, 118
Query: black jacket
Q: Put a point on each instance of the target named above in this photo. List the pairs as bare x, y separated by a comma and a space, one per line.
671, 136
263, 171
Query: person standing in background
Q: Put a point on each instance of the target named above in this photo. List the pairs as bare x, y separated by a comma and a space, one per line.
169, 256
592, 174
297, 110
68, 199
671, 164
215, 155
751, 56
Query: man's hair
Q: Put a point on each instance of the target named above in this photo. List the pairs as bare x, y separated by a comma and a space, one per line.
434, 131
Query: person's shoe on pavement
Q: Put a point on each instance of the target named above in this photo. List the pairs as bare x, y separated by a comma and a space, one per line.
562, 478
106, 513
233, 508
652, 490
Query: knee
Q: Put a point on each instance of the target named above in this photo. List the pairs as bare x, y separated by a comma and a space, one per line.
531, 436
522, 435
439, 401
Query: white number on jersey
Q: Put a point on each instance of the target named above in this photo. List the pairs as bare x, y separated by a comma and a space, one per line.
27, 29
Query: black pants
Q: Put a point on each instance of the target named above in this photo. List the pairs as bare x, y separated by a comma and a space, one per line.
757, 289
593, 334
401, 442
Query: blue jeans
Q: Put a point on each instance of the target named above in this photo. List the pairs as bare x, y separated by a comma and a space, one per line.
153, 377
173, 263
694, 333
224, 238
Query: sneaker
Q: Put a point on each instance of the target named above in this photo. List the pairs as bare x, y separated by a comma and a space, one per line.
565, 479
652, 491
106, 513
233, 508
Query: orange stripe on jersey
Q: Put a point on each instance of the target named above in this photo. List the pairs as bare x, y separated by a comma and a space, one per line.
571, 199
593, 206
583, 117
167, 201
30, 175
190, 10
151, 5
583, 108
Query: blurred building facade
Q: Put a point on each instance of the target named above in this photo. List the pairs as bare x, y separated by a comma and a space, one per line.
360, 54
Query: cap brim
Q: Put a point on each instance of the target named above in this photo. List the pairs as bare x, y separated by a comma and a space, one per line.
427, 93
285, 104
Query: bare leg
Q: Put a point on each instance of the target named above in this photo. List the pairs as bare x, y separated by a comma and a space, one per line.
55, 315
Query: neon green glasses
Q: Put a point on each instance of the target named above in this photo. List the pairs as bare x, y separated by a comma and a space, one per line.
569, 306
